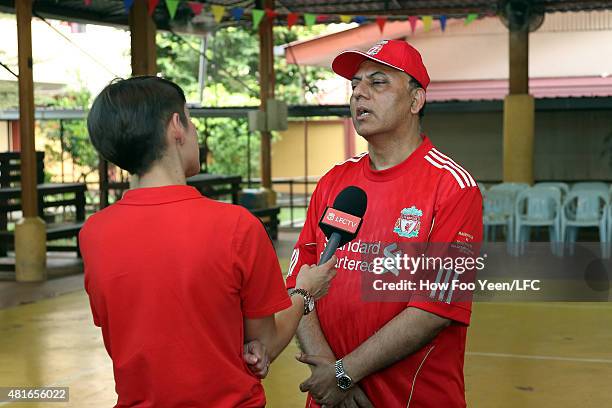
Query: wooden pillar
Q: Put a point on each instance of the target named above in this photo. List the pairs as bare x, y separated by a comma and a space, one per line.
142, 30
143, 51
30, 233
266, 81
519, 62
349, 138
519, 113
103, 181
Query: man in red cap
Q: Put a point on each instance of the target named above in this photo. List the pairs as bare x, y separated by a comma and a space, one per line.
389, 353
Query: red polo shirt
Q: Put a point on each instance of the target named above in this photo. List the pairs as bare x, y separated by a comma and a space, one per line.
171, 275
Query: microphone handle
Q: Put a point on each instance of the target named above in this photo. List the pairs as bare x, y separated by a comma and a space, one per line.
330, 249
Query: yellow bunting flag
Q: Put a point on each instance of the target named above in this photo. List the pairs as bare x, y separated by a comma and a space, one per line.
218, 12
427, 20
346, 19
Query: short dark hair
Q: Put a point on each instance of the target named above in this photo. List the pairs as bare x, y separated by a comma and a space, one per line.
414, 84
128, 120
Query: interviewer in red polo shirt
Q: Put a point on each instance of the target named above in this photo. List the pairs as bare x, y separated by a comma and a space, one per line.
178, 282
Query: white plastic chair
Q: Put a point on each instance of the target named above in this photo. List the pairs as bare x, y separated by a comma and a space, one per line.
538, 207
585, 208
591, 186
514, 187
564, 187
482, 188
498, 207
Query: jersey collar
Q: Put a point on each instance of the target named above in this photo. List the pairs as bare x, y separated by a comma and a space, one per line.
159, 195
399, 169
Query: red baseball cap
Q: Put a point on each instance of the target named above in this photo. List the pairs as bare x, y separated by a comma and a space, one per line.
394, 53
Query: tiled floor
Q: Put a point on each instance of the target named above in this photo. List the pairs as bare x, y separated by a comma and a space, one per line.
519, 355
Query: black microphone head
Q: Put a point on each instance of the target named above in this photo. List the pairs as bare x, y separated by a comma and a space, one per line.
352, 200
346, 215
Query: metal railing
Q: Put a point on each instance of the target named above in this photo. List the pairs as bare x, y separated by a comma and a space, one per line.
295, 199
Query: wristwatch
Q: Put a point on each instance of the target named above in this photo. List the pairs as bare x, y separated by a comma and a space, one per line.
309, 303
342, 379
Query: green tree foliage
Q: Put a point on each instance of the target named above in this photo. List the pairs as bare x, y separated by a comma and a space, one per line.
71, 133
233, 80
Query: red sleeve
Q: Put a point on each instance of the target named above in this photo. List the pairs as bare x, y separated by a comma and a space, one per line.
305, 250
262, 292
457, 232
83, 242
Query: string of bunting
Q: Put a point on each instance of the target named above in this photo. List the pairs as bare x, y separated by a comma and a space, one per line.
257, 15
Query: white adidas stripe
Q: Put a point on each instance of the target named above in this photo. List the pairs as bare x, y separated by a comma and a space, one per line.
452, 288
461, 172
444, 166
471, 182
294, 259
444, 289
354, 159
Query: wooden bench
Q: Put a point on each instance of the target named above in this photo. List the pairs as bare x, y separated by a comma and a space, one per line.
54, 232
269, 218
63, 194
214, 186
10, 168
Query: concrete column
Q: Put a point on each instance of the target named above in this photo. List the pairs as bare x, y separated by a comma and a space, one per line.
519, 113
518, 138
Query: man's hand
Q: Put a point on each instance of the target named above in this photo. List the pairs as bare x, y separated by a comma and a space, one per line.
322, 382
256, 357
355, 398
317, 279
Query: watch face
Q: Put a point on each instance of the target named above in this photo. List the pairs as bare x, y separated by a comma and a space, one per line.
311, 304
344, 382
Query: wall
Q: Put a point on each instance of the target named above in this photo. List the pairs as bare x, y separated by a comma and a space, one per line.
5, 134
326, 148
566, 45
568, 145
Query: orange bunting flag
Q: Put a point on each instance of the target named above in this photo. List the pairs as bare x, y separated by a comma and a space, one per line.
271, 14
196, 7
292, 18
152, 5
381, 21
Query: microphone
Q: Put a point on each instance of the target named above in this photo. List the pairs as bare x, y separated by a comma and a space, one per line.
341, 222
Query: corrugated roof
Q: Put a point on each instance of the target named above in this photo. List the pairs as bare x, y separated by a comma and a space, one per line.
112, 12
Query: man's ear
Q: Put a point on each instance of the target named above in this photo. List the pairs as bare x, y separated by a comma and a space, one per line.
176, 130
418, 100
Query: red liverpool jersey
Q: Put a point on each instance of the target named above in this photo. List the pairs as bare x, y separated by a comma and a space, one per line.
427, 198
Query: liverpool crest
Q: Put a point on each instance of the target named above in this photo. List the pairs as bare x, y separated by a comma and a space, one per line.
376, 47
409, 222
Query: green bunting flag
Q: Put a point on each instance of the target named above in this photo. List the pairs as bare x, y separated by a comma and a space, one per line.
257, 16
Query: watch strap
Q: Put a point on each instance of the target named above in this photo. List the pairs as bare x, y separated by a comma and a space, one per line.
307, 298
